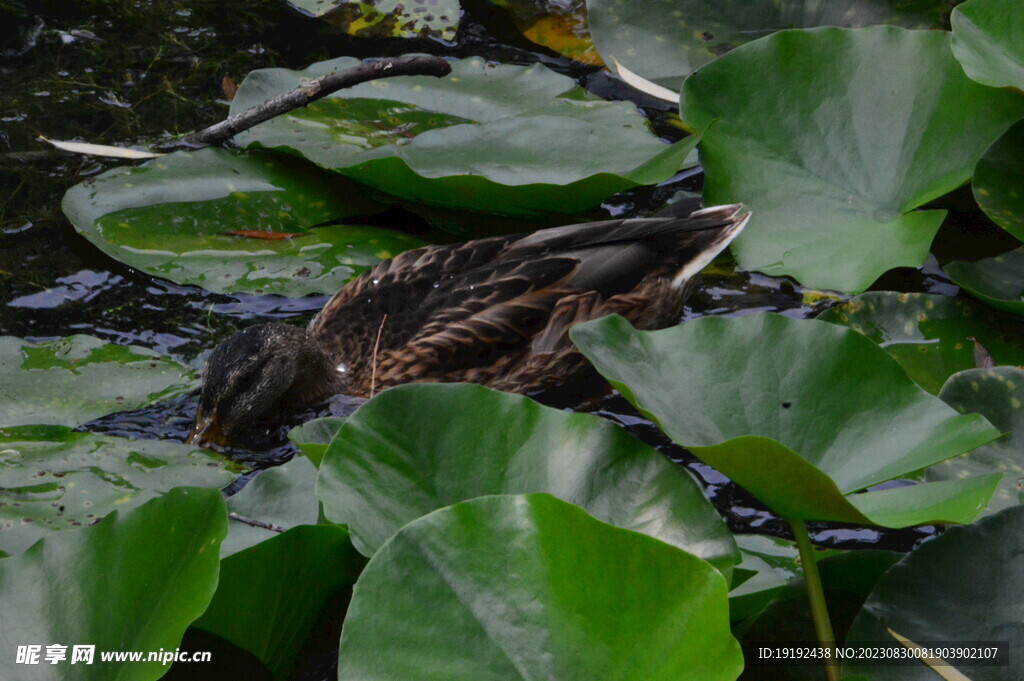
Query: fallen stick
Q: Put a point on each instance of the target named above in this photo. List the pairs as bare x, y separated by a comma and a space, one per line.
314, 90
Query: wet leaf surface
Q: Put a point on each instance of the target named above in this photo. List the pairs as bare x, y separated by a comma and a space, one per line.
56, 479
174, 218
507, 139
79, 378
998, 281
986, 41
529, 587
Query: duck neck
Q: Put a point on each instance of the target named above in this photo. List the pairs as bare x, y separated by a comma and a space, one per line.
317, 376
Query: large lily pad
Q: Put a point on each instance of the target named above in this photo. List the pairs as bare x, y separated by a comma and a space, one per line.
932, 337
132, 582
55, 479
281, 496
963, 586
665, 40
79, 378
529, 587
501, 138
437, 19
799, 412
377, 477
271, 594
986, 41
230, 221
861, 136
998, 395
996, 183
997, 281
312, 437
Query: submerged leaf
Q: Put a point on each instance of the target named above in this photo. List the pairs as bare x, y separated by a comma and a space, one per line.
529, 587
437, 19
79, 378
56, 479
665, 40
931, 336
861, 136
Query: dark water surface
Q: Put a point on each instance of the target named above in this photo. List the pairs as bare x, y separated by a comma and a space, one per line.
141, 72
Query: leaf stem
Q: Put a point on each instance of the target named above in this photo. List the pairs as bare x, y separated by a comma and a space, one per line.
816, 596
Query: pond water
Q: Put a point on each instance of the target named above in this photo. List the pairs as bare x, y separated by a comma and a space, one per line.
142, 72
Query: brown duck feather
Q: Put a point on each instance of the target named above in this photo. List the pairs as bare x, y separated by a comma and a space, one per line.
497, 311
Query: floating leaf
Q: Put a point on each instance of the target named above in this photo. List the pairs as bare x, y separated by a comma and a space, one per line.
963, 586
79, 378
664, 40
998, 281
312, 437
100, 150
506, 139
996, 183
529, 587
986, 41
172, 218
799, 412
281, 496
132, 582
437, 19
768, 565
861, 135
376, 477
57, 479
932, 337
998, 395
847, 578
270, 595
559, 26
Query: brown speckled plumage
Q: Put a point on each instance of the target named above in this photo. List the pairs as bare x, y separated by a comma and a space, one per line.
494, 311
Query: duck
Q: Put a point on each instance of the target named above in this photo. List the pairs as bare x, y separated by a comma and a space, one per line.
493, 311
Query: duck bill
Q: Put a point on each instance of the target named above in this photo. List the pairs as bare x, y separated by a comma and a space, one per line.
205, 432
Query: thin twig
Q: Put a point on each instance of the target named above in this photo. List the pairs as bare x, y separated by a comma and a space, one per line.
314, 90
373, 367
255, 523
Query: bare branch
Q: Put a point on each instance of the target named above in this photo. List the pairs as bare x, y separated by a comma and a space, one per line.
314, 90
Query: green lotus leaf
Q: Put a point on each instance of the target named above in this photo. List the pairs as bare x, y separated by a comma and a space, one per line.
986, 41
506, 139
932, 337
861, 136
281, 496
997, 282
665, 40
388, 18
270, 595
530, 587
132, 582
79, 378
52, 478
998, 395
312, 437
230, 222
801, 413
847, 578
996, 183
376, 477
768, 565
962, 586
